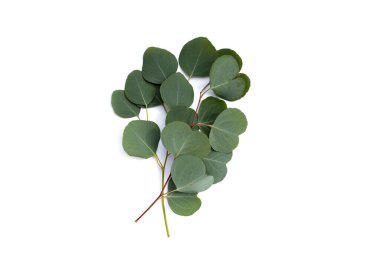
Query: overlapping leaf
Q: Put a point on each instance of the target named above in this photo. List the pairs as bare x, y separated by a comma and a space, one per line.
179, 139
184, 204
141, 138
177, 91
137, 90
158, 65
197, 56
181, 113
224, 134
227, 51
209, 109
189, 174
215, 164
122, 106
224, 79
157, 100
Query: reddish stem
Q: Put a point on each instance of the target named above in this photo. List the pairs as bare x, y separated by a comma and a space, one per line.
203, 91
155, 201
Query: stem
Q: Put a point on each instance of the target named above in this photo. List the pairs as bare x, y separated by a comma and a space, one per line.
147, 115
154, 202
166, 110
163, 202
158, 161
202, 124
203, 91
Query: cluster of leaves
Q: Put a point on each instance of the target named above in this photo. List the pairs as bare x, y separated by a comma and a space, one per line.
201, 141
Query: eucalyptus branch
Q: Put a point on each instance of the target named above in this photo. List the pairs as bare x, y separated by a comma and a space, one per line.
200, 153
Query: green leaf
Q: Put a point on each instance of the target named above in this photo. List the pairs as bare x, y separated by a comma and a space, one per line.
122, 106
157, 100
209, 109
197, 56
224, 134
227, 51
181, 113
215, 164
179, 139
137, 90
177, 91
158, 65
247, 82
189, 174
141, 138
224, 79
181, 203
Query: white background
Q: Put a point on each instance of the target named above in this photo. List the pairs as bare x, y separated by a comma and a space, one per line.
305, 177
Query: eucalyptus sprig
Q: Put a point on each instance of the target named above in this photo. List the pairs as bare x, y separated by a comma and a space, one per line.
200, 141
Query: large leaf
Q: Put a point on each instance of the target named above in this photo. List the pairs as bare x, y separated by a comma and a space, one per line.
224, 134
181, 203
141, 138
179, 139
209, 109
137, 90
122, 106
181, 113
197, 56
224, 79
215, 164
189, 174
227, 51
177, 91
158, 65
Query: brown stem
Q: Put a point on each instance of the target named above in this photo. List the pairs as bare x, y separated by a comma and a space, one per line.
155, 201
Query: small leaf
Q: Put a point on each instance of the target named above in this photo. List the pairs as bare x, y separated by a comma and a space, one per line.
224, 79
158, 65
189, 174
179, 139
141, 138
209, 109
215, 164
247, 82
224, 134
181, 203
181, 113
227, 51
122, 106
137, 90
177, 91
197, 56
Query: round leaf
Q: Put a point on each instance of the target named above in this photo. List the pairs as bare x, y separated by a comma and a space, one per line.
179, 139
189, 174
209, 109
227, 51
181, 113
141, 138
215, 164
158, 65
197, 56
224, 79
224, 134
181, 203
177, 91
137, 90
122, 106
